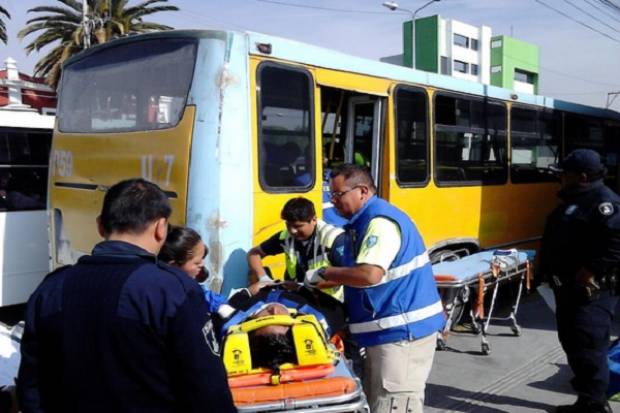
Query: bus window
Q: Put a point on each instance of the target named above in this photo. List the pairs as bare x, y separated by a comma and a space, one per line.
583, 132
535, 145
23, 169
470, 141
411, 137
286, 147
140, 86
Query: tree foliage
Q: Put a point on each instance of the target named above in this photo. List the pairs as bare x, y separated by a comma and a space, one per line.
62, 28
6, 14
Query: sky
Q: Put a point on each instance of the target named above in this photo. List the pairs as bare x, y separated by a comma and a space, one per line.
577, 63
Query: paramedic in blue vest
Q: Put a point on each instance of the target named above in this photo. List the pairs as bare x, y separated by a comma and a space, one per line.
307, 243
391, 297
580, 258
119, 331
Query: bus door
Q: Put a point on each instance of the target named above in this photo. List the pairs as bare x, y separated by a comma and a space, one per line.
364, 129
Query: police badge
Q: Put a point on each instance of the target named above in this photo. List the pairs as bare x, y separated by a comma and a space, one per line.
606, 208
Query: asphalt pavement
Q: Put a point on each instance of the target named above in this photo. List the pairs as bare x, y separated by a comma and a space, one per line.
526, 373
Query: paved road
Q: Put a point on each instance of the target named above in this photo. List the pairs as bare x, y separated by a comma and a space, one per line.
522, 374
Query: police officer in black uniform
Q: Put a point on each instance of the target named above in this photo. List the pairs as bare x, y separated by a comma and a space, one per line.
119, 331
580, 257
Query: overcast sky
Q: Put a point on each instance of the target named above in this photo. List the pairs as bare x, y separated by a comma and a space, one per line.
577, 63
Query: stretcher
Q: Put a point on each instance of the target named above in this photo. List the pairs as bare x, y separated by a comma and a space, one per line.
469, 279
321, 380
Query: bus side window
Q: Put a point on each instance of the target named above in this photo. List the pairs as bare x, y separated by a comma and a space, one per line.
285, 129
470, 141
411, 137
535, 145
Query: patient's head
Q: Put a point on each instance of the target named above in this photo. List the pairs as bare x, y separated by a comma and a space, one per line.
271, 309
272, 345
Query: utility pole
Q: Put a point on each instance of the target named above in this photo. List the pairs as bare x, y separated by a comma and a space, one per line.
394, 6
611, 97
85, 25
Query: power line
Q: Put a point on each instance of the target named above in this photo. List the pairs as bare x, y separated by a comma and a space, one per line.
577, 21
304, 6
591, 15
603, 11
610, 4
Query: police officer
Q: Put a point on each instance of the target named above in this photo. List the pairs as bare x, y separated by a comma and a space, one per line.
580, 259
390, 294
307, 243
120, 331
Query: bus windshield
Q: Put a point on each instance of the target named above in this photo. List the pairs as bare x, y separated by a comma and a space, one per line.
139, 86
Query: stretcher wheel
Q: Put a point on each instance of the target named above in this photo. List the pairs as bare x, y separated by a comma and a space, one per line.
486, 349
516, 330
441, 344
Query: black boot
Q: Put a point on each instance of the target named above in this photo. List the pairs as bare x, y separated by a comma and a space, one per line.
585, 406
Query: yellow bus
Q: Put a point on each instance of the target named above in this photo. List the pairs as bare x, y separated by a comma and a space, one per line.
231, 125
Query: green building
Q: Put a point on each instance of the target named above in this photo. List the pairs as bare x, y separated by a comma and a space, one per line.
514, 64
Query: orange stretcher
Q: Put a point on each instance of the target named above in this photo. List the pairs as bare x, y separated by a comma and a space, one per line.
320, 381
467, 280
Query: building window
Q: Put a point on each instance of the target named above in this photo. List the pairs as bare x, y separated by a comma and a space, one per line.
285, 125
474, 69
445, 65
470, 141
411, 137
525, 77
474, 44
460, 40
496, 69
496, 43
461, 66
535, 144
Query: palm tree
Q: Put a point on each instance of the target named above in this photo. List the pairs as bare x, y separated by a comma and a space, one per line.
62, 28
2, 25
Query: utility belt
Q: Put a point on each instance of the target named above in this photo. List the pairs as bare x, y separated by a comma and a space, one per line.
592, 290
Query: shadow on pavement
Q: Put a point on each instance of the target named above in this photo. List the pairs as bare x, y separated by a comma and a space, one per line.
559, 382
457, 400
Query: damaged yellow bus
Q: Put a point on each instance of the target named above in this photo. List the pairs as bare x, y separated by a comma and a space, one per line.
231, 125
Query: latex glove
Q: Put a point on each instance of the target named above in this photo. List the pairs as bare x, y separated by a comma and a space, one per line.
314, 277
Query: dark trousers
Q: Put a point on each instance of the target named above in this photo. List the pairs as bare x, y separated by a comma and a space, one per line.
583, 330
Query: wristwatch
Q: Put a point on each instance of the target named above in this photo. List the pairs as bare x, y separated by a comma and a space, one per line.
321, 272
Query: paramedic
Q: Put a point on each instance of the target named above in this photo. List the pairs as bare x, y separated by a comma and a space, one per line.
120, 331
580, 257
393, 306
307, 243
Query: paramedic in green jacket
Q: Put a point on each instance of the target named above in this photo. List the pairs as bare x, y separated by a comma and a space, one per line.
307, 243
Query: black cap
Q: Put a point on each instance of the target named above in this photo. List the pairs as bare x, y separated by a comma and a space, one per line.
581, 160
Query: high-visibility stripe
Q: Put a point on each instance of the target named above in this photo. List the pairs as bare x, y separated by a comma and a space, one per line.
405, 269
397, 320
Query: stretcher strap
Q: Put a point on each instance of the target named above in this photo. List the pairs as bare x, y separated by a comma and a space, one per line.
528, 274
480, 298
329, 387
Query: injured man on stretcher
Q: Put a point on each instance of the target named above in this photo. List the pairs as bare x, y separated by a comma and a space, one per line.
280, 346
272, 341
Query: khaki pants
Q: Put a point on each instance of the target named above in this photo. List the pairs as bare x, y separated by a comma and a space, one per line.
395, 375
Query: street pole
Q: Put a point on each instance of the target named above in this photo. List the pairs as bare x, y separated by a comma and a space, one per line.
394, 6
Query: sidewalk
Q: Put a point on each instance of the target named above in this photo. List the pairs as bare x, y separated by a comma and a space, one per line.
522, 374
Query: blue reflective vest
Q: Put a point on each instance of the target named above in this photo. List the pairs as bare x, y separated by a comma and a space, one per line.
405, 304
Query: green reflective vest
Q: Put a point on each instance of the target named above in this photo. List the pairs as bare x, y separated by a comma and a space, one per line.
324, 237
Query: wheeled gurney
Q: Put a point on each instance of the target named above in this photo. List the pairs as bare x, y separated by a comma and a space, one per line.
320, 381
473, 276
